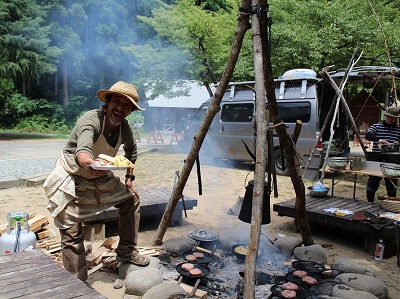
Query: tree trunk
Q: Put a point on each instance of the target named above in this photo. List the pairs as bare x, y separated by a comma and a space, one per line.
243, 26
286, 141
65, 83
261, 154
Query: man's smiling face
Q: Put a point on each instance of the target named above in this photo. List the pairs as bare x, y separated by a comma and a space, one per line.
118, 108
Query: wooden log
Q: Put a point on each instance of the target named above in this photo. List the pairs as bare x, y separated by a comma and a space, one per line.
108, 242
92, 258
208, 251
52, 246
94, 269
37, 222
198, 294
45, 244
54, 249
43, 234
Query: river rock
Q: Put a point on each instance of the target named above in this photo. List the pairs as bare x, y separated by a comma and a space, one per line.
365, 283
178, 245
140, 281
126, 268
313, 253
346, 292
286, 245
165, 290
347, 265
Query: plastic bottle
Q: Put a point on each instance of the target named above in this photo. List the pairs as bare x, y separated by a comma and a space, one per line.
379, 249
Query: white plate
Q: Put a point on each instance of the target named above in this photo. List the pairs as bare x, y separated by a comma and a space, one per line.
107, 167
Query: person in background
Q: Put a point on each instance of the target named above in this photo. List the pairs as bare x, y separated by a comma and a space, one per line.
76, 191
387, 131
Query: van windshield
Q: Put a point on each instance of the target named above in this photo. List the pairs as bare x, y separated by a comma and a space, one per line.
200, 113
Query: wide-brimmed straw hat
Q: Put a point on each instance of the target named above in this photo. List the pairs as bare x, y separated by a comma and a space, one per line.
392, 111
121, 88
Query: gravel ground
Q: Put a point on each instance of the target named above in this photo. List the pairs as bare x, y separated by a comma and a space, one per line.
23, 159
29, 167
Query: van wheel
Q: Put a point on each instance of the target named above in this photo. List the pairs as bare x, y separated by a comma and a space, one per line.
279, 163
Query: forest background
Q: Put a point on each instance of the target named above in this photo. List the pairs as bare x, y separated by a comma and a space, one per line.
55, 54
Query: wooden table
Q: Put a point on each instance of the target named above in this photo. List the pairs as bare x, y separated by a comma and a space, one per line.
369, 168
153, 201
32, 274
315, 214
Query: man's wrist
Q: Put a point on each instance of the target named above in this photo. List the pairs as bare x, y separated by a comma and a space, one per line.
130, 176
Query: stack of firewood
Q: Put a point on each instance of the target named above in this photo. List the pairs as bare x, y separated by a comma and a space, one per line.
104, 257
52, 247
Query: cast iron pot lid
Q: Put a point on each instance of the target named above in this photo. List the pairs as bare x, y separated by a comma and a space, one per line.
299, 281
205, 260
301, 293
203, 235
204, 270
309, 266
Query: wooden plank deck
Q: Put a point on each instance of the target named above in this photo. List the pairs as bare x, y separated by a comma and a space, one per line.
153, 201
32, 274
315, 214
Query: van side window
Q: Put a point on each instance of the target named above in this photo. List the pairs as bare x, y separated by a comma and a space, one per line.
291, 112
237, 112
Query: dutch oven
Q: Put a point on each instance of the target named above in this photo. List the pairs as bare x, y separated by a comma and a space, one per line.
205, 238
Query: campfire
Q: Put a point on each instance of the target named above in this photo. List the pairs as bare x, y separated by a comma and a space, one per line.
277, 276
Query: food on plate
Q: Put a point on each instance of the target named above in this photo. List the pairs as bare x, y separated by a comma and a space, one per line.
300, 273
195, 272
105, 160
199, 255
187, 266
309, 280
288, 294
241, 250
191, 258
290, 286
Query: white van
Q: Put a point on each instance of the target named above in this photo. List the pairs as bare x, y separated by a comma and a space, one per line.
300, 96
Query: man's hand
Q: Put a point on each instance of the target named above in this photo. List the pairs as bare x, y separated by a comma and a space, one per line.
382, 141
129, 186
84, 160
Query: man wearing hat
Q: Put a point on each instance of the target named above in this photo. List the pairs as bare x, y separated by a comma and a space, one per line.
76, 191
387, 131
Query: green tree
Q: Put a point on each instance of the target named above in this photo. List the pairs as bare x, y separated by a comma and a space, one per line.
26, 54
319, 33
191, 43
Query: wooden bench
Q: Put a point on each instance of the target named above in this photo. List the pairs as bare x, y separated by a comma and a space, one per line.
33, 274
315, 214
153, 202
